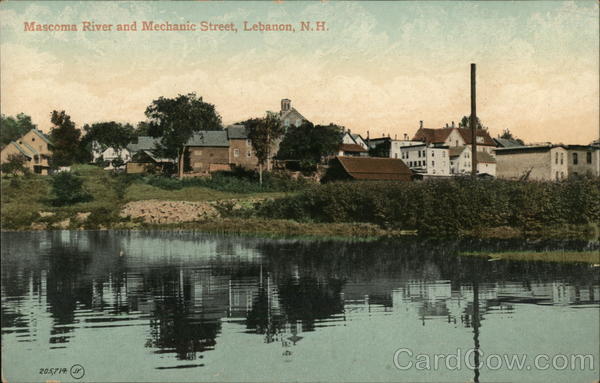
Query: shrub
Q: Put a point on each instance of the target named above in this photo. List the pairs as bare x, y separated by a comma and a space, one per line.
445, 207
68, 189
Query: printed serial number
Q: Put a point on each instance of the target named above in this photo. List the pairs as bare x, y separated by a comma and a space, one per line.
53, 371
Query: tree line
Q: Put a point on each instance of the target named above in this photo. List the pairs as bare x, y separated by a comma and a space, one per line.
174, 121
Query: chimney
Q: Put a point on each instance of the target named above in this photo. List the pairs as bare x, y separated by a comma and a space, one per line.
395, 137
446, 125
421, 124
285, 104
452, 124
349, 131
405, 137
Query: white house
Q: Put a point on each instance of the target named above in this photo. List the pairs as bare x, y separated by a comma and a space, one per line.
109, 154
461, 161
427, 160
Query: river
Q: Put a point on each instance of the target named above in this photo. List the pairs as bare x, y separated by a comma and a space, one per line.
105, 306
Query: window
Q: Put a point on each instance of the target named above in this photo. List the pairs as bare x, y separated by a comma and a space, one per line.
557, 175
419, 154
561, 158
556, 162
456, 143
574, 158
32, 139
432, 153
396, 155
432, 163
588, 157
424, 154
299, 122
236, 153
248, 154
198, 152
248, 143
286, 122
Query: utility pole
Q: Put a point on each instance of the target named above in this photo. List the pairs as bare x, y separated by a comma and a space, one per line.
473, 125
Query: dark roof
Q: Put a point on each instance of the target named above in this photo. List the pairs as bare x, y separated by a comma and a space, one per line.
466, 135
438, 136
352, 148
143, 143
582, 147
507, 143
237, 132
432, 136
526, 149
366, 168
209, 138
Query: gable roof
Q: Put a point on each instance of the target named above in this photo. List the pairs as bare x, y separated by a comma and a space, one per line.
506, 143
466, 135
209, 138
351, 148
438, 136
237, 132
21, 149
144, 143
288, 112
368, 168
356, 137
41, 135
432, 136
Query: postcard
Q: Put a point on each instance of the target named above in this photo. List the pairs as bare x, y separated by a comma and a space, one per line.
300, 191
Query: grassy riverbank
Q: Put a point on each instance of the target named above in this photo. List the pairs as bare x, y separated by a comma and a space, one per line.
435, 209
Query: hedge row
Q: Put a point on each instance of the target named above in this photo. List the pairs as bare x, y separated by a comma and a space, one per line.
445, 207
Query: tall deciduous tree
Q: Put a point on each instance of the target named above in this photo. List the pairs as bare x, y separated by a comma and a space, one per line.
107, 135
464, 123
66, 148
175, 120
263, 133
11, 128
309, 143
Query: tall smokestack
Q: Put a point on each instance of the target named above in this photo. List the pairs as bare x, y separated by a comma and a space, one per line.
473, 124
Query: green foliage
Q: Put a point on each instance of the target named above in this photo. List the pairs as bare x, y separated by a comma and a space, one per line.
66, 148
465, 123
381, 150
263, 133
176, 120
15, 165
107, 135
68, 189
12, 128
310, 142
240, 181
445, 207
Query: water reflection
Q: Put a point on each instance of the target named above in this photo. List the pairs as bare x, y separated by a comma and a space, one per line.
182, 289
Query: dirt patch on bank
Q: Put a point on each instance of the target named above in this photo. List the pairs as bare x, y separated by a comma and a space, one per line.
155, 211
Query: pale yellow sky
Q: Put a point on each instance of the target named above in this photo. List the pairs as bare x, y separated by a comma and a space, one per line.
380, 67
